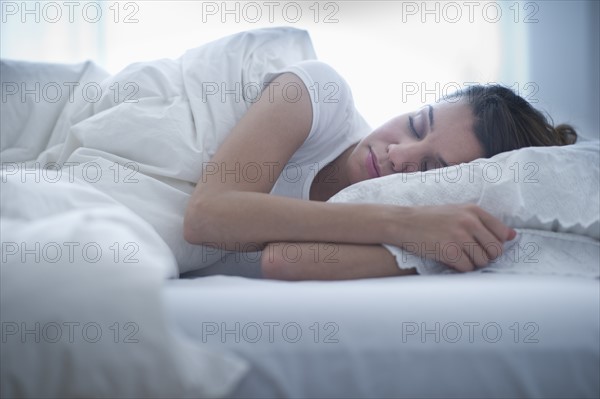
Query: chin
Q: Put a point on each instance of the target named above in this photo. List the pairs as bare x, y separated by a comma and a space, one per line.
362, 177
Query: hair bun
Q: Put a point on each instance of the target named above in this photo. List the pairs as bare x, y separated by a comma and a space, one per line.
566, 133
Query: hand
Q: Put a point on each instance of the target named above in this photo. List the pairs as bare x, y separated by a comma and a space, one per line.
463, 237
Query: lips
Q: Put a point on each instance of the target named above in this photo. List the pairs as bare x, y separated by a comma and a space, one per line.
376, 163
371, 164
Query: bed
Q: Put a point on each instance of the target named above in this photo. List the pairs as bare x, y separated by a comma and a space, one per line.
92, 306
464, 336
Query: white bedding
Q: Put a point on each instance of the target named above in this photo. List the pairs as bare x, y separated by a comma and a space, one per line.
370, 359
93, 196
71, 330
143, 141
540, 340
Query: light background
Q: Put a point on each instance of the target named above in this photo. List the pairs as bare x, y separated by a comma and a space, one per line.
545, 50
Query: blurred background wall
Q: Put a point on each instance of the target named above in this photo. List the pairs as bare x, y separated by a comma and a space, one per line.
396, 55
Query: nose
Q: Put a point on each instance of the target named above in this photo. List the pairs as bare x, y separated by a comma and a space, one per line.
405, 157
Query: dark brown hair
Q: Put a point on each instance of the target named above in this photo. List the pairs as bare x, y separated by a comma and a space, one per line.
505, 121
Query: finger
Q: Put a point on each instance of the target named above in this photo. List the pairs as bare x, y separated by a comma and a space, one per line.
456, 255
466, 263
474, 254
488, 247
474, 251
495, 226
477, 254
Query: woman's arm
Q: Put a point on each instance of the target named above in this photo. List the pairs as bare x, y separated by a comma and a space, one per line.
231, 205
321, 261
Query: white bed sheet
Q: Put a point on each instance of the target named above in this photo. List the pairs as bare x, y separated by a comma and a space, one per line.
549, 344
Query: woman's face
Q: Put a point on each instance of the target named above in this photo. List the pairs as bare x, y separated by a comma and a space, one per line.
432, 137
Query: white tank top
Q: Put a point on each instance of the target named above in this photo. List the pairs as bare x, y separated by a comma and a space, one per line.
336, 125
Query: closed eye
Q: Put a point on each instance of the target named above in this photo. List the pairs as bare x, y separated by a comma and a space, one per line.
411, 125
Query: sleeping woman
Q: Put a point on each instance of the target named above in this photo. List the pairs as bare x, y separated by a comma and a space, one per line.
303, 141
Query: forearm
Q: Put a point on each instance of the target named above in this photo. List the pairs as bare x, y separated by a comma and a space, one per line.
322, 261
234, 217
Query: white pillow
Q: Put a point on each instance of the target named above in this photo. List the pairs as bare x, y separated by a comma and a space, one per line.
73, 330
554, 189
37, 99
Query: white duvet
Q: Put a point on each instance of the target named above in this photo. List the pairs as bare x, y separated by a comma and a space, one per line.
137, 139
94, 186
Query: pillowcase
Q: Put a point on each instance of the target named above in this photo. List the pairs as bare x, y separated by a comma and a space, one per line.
553, 189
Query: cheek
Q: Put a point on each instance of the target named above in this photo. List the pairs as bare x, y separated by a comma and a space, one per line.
393, 130
389, 133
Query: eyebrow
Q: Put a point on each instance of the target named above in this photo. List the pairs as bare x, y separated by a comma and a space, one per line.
442, 161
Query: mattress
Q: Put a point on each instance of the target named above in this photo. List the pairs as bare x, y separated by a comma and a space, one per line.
465, 336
